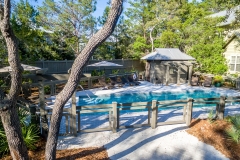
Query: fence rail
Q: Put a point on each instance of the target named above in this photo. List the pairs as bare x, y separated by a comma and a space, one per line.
57, 67
73, 121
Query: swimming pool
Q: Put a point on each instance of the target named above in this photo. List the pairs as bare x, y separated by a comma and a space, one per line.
145, 97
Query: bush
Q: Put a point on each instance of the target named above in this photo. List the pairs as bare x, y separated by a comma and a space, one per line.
115, 71
30, 133
47, 89
234, 132
97, 73
218, 79
211, 116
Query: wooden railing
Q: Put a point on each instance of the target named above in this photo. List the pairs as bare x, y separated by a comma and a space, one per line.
152, 108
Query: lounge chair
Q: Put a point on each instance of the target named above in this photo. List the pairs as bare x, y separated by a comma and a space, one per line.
125, 81
207, 81
131, 79
195, 81
104, 84
114, 81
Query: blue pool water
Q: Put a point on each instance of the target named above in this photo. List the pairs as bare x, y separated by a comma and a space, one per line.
145, 97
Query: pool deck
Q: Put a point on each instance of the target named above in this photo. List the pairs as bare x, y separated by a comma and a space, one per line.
168, 142
149, 87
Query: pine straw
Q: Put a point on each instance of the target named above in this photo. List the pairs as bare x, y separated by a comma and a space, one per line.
91, 153
214, 134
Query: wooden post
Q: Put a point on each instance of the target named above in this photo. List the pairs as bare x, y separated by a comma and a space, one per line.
154, 114
66, 65
66, 123
53, 89
190, 74
73, 115
221, 107
89, 82
79, 121
184, 112
118, 121
114, 117
178, 75
34, 117
43, 113
149, 115
167, 74
189, 111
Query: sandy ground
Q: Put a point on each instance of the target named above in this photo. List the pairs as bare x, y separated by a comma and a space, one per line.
164, 142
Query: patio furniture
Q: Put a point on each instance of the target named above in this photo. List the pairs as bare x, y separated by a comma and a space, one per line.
114, 81
207, 81
125, 80
104, 84
131, 79
195, 81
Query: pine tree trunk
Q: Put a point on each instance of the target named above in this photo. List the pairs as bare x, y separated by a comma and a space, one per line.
8, 108
74, 78
13, 132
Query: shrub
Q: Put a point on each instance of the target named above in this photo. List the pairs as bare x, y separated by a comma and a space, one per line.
218, 79
47, 89
115, 71
233, 133
30, 133
97, 73
211, 116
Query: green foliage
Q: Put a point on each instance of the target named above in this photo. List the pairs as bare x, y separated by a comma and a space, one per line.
139, 47
30, 135
211, 116
47, 89
2, 82
234, 132
218, 79
30, 132
98, 73
71, 22
4, 144
26, 80
115, 71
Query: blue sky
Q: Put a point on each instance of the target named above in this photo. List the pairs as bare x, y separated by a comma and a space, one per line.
101, 5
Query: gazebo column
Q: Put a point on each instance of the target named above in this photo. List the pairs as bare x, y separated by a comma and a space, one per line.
190, 74
178, 74
167, 74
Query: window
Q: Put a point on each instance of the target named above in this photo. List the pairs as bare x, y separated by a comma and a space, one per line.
235, 63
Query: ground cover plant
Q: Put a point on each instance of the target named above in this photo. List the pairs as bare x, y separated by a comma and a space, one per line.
30, 133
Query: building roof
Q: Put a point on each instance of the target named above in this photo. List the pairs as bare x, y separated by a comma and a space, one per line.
168, 54
229, 14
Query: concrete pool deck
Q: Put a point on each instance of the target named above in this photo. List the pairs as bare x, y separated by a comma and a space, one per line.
164, 142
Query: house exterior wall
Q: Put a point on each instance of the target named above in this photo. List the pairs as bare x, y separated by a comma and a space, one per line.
231, 51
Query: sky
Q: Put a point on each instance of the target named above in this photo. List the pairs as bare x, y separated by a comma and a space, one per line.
101, 5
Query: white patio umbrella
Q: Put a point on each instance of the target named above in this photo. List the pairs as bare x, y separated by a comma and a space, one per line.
104, 64
25, 67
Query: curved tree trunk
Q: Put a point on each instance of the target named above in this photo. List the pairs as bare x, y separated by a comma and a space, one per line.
76, 71
8, 108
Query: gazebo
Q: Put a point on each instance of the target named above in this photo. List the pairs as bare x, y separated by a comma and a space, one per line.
170, 65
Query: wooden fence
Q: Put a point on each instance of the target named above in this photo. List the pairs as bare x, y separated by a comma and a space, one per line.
41, 114
57, 67
73, 114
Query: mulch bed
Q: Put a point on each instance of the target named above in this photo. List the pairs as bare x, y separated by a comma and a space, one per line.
91, 153
213, 133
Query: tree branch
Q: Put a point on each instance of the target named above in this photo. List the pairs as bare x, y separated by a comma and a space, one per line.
75, 75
